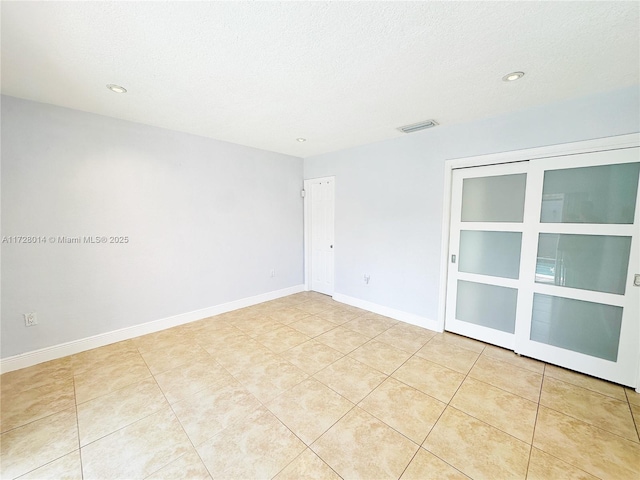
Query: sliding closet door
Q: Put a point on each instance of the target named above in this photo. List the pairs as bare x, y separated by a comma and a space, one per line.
583, 308
487, 220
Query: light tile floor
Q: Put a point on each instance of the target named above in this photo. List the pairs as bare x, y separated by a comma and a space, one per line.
304, 387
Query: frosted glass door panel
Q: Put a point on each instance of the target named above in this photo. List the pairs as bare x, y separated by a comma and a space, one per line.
588, 262
490, 253
605, 194
584, 327
487, 305
494, 199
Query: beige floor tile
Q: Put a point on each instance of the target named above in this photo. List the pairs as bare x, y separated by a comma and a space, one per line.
315, 306
257, 326
339, 315
256, 448
370, 324
585, 426
511, 357
209, 411
67, 467
242, 313
414, 329
585, 381
93, 383
405, 337
313, 326
38, 443
584, 446
506, 411
404, 408
269, 379
36, 376
106, 414
309, 409
100, 357
182, 382
381, 318
311, 356
288, 315
426, 466
298, 298
635, 411
361, 446
351, 309
24, 406
477, 449
282, 339
351, 379
161, 339
380, 356
207, 325
214, 340
591, 407
137, 450
172, 356
448, 338
633, 396
241, 356
342, 339
430, 378
265, 308
449, 355
543, 466
187, 467
508, 377
307, 466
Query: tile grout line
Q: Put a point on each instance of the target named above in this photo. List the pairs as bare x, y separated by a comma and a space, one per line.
535, 422
75, 398
535, 425
590, 424
183, 430
587, 388
75, 406
448, 404
633, 417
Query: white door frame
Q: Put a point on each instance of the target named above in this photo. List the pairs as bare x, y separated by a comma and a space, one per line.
307, 229
532, 154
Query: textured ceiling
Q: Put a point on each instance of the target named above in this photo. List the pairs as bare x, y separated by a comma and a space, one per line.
337, 73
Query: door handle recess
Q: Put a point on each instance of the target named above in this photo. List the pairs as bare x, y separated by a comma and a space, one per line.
636, 280
453, 259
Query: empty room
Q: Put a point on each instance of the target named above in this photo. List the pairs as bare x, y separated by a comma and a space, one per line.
320, 240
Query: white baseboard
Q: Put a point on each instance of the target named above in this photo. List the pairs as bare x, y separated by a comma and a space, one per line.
406, 317
34, 357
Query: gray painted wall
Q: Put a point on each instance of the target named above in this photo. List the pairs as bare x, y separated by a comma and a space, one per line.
388, 220
206, 221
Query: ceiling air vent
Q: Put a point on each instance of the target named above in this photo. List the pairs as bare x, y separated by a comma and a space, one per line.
418, 126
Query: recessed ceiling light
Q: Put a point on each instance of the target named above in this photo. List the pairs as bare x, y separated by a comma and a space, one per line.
116, 88
513, 76
301, 139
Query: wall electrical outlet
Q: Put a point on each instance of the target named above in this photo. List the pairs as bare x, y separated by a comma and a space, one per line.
367, 278
273, 272
30, 319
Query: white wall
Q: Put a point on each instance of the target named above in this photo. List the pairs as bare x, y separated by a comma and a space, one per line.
389, 194
206, 221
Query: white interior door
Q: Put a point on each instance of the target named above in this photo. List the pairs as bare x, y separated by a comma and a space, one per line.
545, 260
320, 239
583, 310
487, 222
